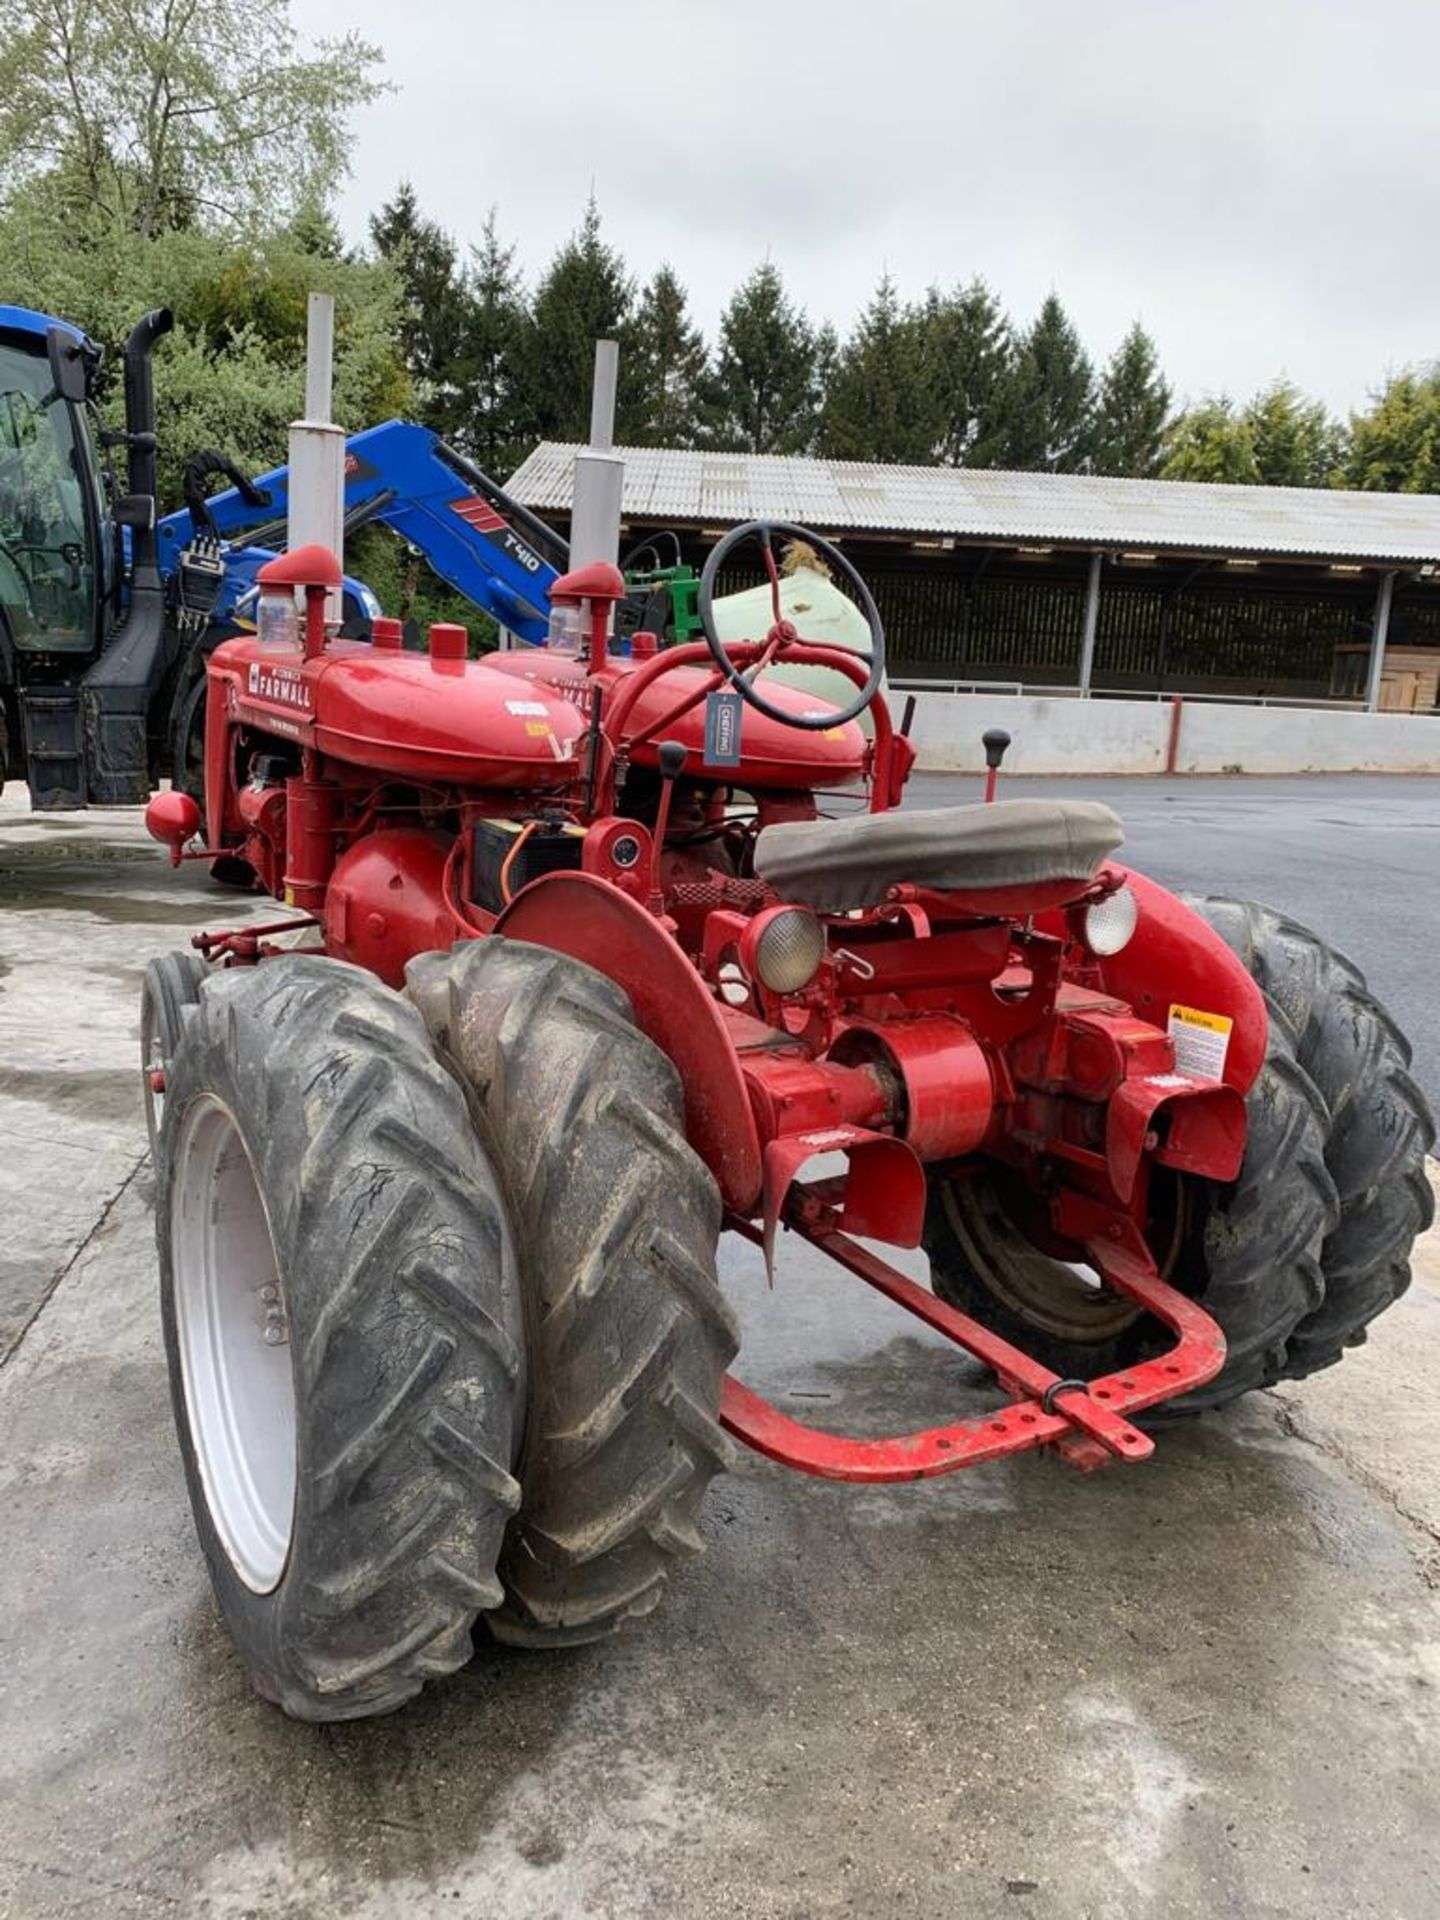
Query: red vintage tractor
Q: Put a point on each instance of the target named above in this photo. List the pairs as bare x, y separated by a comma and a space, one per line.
595, 976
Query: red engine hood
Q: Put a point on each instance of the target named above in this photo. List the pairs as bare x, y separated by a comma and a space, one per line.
775, 756
404, 713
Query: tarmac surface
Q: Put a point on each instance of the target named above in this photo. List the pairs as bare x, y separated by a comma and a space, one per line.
1206, 1686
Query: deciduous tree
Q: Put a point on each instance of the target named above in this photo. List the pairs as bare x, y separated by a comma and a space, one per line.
162, 112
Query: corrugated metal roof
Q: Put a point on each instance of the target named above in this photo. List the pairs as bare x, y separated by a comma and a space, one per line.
1026, 509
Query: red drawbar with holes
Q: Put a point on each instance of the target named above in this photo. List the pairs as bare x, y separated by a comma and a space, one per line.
1083, 1420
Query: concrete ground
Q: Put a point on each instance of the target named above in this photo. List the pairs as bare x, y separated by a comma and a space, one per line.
1209, 1685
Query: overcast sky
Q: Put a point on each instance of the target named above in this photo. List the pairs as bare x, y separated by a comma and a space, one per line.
1256, 182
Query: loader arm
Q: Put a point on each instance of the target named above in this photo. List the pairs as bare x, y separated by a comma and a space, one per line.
484, 544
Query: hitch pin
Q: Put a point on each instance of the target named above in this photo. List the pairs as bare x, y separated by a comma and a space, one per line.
852, 960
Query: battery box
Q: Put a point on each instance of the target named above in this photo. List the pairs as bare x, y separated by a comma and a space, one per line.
554, 847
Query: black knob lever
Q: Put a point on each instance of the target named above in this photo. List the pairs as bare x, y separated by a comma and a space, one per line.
994, 740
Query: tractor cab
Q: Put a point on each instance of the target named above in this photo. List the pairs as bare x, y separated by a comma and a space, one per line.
86, 646
57, 565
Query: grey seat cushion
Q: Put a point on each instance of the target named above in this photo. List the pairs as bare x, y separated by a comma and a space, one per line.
839, 864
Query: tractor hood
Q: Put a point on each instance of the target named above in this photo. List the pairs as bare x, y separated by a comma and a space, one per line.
773, 756
406, 713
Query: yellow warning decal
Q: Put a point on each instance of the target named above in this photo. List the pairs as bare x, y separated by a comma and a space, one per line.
1201, 1041
538, 729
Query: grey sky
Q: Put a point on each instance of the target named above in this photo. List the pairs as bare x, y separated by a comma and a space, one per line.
1258, 183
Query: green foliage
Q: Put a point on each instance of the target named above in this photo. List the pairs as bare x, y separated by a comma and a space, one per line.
1395, 447
1211, 442
232, 374
765, 393
435, 313
159, 116
409, 590
669, 367
1050, 408
1133, 408
969, 357
1296, 442
585, 295
878, 402
493, 426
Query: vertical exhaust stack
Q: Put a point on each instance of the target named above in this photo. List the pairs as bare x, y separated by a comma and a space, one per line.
316, 514
599, 471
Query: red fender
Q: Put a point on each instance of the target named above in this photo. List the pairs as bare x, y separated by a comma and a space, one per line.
576, 913
1176, 958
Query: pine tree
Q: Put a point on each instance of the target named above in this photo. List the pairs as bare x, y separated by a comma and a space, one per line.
494, 427
585, 296
1395, 446
1134, 407
1297, 444
764, 395
878, 404
969, 358
669, 366
1051, 403
423, 257
1210, 442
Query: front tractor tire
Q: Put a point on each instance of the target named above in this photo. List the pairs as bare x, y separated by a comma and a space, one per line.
617, 1220
1293, 1258
342, 1319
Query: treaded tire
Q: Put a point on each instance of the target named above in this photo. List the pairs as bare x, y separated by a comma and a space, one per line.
1379, 1127
617, 1220
172, 983
396, 1265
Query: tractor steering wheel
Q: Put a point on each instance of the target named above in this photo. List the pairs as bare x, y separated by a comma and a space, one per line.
782, 634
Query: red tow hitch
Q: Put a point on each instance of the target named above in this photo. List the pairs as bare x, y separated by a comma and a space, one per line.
1083, 1420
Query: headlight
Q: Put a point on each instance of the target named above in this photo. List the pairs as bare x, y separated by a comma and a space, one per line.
1108, 924
782, 948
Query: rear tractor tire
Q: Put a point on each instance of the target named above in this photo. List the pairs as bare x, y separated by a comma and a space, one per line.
172, 983
1292, 1259
342, 1320
617, 1221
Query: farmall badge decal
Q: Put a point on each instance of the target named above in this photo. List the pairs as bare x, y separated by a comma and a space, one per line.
282, 686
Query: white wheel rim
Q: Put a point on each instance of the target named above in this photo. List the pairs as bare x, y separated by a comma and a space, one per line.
234, 1341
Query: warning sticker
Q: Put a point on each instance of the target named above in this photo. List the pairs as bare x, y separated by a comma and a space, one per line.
537, 707
1201, 1041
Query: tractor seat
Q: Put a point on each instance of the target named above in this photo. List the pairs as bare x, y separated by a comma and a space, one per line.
839, 864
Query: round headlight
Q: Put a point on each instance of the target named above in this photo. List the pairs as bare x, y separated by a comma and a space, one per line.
1107, 926
785, 948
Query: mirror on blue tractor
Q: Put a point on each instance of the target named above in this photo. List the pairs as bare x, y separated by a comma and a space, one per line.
67, 365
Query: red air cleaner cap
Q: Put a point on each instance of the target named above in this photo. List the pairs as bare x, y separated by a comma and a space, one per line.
448, 641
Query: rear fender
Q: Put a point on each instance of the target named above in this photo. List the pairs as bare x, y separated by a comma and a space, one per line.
1174, 958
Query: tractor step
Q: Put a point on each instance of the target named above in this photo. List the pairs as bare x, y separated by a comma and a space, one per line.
1084, 1420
